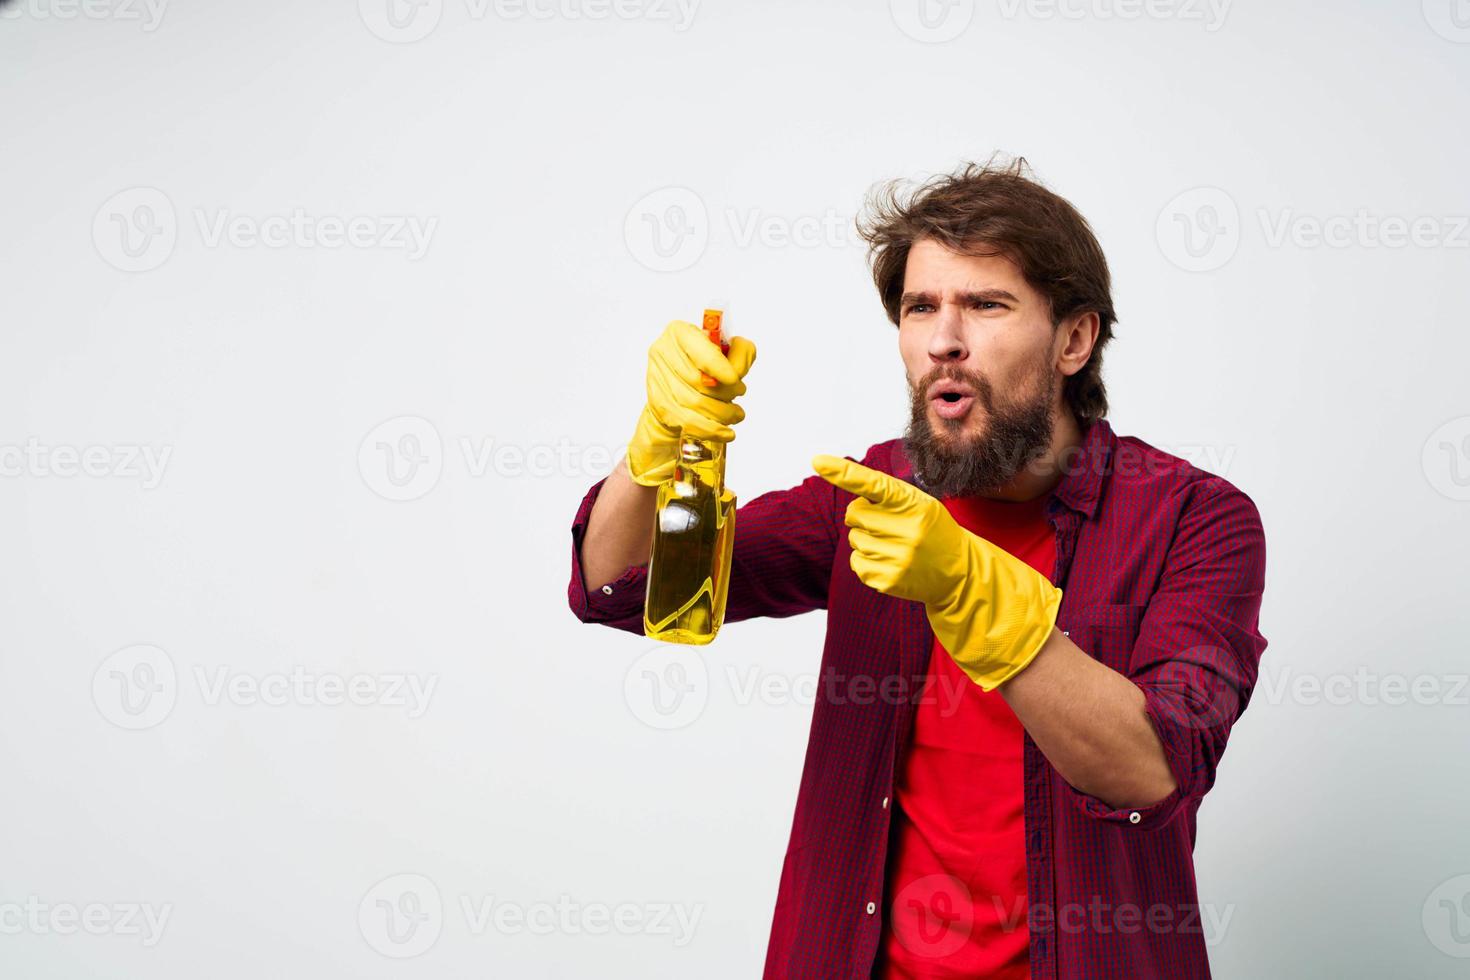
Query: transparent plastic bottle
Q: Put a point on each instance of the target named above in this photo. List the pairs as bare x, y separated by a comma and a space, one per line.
693, 533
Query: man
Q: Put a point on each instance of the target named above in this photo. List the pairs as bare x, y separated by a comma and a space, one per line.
1039, 633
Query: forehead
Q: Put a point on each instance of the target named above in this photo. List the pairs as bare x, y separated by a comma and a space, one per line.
931, 267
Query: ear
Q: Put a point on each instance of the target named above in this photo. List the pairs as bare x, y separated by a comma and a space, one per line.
1075, 338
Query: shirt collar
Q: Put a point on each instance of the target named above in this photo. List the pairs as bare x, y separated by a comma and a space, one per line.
1085, 467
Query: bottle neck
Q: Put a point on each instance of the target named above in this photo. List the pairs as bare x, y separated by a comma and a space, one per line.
693, 450
706, 458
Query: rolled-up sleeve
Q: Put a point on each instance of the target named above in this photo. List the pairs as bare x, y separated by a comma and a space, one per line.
1144, 818
1198, 649
1199, 646
619, 603
781, 561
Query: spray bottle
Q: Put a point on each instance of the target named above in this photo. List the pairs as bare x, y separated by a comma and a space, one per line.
693, 532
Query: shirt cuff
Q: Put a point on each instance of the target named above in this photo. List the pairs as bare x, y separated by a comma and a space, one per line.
1141, 818
618, 600
1154, 815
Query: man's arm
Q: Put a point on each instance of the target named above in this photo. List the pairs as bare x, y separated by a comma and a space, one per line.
1193, 664
1091, 724
691, 384
781, 561
620, 528
1133, 741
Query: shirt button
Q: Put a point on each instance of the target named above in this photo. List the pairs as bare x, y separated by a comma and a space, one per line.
885, 802
1134, 817
607, 590
1066, 632
872, 908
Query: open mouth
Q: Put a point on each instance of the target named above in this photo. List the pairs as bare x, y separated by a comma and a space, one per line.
951, 399
952, 404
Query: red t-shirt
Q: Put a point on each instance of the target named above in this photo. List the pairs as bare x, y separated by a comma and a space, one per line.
955, 898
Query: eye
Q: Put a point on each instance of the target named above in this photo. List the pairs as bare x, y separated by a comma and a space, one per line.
916, 307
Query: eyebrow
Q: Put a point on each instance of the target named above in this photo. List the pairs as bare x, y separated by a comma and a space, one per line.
968, 297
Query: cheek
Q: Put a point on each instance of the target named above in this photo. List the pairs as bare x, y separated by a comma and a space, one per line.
1012, 357
912, 347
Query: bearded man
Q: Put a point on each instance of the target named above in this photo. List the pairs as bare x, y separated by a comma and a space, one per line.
1039, 632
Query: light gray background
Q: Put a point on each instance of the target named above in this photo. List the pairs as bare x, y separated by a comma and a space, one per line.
554, 769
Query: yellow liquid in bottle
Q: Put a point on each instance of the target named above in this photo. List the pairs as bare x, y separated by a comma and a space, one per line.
689, 562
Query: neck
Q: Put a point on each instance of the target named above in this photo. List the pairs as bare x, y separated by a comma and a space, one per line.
1042, 474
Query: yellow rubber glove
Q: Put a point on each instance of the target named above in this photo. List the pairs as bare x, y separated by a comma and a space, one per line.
679, 398
990, 610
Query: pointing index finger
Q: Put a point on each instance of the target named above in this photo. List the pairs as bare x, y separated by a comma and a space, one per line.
871, 484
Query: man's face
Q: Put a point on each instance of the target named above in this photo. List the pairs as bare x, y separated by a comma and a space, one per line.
979, 350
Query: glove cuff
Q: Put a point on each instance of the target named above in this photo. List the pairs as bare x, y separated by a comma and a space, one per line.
1004, 615
653, 451
1036, 635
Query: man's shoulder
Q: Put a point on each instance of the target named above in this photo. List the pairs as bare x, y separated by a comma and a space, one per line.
1140, 472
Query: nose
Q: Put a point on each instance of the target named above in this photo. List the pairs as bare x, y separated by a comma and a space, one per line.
947, 343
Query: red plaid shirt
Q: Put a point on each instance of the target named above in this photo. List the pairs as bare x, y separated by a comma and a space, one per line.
1162, 568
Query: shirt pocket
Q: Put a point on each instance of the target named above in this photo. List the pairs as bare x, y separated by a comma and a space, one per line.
1107, 631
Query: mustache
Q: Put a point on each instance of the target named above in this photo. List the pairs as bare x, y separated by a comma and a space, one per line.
953, 372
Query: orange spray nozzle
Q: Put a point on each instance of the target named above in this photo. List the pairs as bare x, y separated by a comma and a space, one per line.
712, 321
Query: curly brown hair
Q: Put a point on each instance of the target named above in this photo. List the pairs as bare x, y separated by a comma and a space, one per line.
1000, 209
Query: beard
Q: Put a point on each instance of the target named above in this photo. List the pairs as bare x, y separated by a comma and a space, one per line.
949, 463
